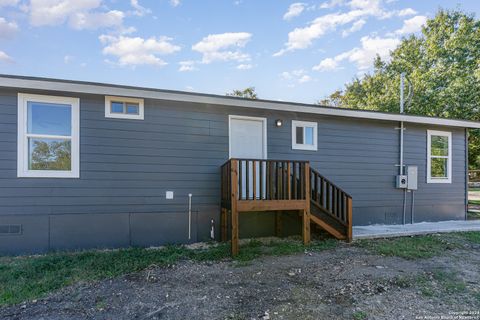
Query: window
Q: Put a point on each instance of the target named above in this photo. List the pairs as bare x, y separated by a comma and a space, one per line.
123, 108
439, 157
48, 136
304, 135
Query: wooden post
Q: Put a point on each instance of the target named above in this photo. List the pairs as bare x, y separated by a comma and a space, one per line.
349, 219
223, 225
234, 211
278, 223
306, 211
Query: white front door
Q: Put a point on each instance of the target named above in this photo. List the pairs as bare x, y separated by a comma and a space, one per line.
248, 140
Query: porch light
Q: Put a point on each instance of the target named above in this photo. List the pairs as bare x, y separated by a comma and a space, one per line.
278, 123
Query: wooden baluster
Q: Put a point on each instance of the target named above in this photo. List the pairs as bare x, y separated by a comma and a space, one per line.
254, 171
278, 180
322, 192
294, 178
261, 179
302, 180
289, 181
327, 197
315, 187
271, 180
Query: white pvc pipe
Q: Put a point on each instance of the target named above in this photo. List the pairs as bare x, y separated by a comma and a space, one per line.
189, 216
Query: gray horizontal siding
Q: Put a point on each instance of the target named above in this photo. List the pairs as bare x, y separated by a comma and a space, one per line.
127, 165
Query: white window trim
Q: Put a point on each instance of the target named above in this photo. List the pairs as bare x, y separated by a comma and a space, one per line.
108, 110
297, 146
22, 144
447, 134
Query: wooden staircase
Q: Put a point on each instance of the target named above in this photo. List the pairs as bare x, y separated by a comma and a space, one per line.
252, 185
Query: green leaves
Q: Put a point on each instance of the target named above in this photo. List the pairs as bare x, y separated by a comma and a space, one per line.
443, 66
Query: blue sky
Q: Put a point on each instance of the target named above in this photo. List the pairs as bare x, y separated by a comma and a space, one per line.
288, 50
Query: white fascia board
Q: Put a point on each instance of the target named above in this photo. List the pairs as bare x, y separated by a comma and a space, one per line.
106, 89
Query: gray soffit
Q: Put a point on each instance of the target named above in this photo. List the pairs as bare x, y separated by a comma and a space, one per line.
22, 82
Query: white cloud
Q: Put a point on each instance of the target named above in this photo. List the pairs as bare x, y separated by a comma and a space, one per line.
85, 14
296, 76
302, 38
7, 29
5, 57
331, 4
5, 3
327, 64
406, 12
82, 20
138, 51
174, 3
412, 25
244, 66
139, 10
188, 65
294, 10
223, 47
356, 26
362, 56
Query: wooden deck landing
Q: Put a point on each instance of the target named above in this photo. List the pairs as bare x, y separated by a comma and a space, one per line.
254, 185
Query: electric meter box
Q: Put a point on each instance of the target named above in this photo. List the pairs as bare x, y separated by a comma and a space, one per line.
412, 177
401, 182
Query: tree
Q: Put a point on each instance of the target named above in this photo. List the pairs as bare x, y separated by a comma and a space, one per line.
248, 93
443, 66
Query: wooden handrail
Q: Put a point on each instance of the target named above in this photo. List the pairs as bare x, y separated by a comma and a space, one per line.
332, 200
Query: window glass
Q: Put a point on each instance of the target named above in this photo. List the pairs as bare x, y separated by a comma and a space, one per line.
439, 145
49, 154
299, 135
117, 107
439, 167
49, 118
309, 135
132, 108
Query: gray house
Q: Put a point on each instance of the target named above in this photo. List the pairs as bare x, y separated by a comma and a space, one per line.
86, 165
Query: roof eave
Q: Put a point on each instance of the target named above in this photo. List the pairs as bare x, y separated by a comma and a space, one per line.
105, 89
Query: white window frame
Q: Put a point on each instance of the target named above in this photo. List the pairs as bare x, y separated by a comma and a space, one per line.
22, 144
431, 179
110, 114
301, 146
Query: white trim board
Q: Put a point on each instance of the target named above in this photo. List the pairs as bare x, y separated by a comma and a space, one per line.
447, 134
148, 93
22, 136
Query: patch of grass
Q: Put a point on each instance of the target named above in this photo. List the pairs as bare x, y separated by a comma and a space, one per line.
409, 247
474, 202
25, 278
473, 236
359, 315
439, 283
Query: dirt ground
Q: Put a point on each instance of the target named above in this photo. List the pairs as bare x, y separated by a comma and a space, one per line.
347, 282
